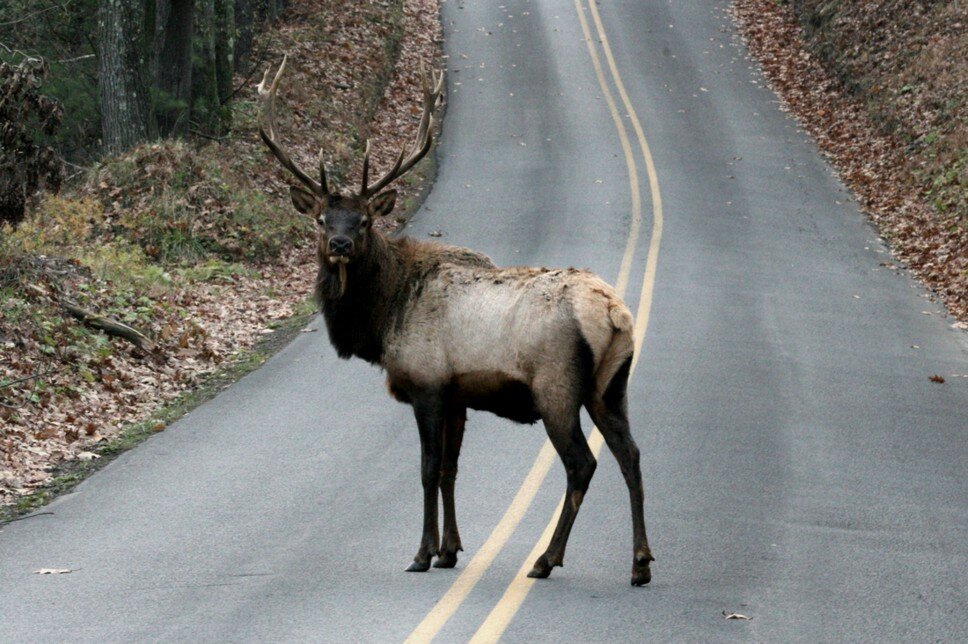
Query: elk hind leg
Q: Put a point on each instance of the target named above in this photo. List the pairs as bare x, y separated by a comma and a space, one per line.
428, 408
453, 435
610, 414
569, 441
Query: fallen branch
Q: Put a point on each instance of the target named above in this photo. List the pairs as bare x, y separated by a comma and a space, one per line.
106, 324
25, 379
17, 382
217, 139
110, 326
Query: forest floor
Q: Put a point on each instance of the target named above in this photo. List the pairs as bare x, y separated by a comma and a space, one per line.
883, 89
195, 244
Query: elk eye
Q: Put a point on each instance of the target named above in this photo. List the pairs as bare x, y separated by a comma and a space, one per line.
321, 220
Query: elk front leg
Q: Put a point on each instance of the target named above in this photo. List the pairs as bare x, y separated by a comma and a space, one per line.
428, 407
453, 435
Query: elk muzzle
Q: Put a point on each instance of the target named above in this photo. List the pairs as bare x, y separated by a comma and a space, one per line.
340, 245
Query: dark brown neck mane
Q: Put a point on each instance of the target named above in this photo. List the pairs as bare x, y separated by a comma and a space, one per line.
378, 286
357, 321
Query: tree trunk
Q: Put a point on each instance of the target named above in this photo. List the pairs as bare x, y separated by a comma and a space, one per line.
126, 114
224, 49
156, 19
174, 80
205, 103
244, 25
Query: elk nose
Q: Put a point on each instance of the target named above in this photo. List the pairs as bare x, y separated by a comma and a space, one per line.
340, 245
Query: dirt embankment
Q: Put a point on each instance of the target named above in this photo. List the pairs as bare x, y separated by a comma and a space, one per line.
883, 88
194, 243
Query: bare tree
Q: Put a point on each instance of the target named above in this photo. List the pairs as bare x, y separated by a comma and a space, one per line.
26, 165
173, 41
127, 117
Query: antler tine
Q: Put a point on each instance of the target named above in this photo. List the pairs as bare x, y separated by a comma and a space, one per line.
267, 99
322, 172
366, 167
431, 88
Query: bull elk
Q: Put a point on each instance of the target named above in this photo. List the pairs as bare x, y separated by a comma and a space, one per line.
453, 331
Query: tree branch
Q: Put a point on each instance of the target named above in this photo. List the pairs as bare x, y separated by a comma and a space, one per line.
36, 13
26, 378
110, 326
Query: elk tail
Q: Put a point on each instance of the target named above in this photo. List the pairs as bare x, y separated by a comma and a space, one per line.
619, 351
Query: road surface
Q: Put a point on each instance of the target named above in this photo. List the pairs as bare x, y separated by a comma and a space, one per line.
800, 467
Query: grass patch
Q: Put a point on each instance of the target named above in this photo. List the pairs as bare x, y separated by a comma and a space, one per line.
183, 205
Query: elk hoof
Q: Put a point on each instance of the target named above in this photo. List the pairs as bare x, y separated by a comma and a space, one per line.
541, 568
446, 560
641, 574
419, 566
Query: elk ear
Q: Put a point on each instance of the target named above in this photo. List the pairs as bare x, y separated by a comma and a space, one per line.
303, 200
383, 203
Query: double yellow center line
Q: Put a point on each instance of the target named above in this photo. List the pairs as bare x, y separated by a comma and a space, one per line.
502, 614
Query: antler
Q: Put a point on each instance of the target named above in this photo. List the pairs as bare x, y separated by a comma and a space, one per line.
268, 131
425, 135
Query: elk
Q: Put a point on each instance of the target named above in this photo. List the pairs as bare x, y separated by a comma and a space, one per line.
452, 331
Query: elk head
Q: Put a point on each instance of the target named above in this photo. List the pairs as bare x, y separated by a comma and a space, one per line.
344, 221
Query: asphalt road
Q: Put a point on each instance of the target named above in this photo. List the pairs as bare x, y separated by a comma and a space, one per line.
800, 467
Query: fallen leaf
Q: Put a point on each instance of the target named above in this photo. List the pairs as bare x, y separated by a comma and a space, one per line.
936, 378
886, 175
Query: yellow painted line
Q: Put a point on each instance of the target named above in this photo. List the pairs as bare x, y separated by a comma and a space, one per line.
517, 591
652, 258
482, 559
469, 576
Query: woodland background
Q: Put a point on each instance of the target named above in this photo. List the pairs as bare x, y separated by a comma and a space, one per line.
138, 193
134, 189
85, 77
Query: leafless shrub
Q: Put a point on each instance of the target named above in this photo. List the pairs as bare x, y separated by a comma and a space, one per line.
26, 164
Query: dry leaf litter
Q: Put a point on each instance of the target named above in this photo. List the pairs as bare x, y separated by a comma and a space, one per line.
198, 326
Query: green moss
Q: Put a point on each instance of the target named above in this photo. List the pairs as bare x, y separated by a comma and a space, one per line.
125, 266
215, 269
